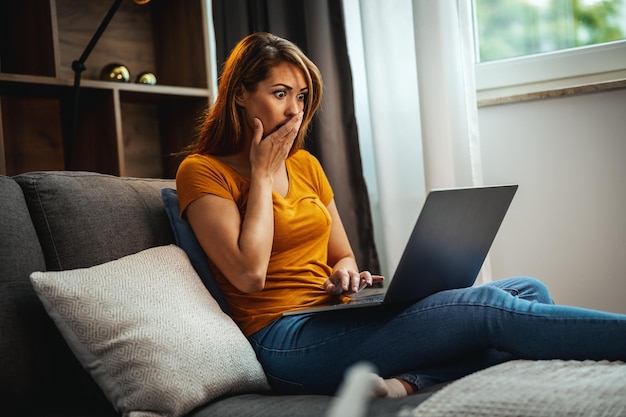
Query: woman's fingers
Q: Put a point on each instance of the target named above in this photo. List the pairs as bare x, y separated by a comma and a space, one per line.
288, 132
350, 282
268, 153
257, 134
365, 280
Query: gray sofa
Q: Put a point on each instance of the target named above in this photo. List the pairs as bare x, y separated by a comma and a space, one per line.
53, 221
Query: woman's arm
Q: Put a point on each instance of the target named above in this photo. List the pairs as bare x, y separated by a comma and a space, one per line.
346, 278
239, 248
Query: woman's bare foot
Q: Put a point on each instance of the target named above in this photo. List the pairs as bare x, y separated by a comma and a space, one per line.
392, 387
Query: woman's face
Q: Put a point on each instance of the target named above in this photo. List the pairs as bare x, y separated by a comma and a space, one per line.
275, 100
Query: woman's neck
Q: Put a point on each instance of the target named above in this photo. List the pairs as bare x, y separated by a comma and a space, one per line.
239, 162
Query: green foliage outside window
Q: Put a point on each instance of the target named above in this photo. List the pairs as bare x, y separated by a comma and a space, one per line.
511, 28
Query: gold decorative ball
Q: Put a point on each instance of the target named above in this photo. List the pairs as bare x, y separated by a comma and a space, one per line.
115, 72
146, 78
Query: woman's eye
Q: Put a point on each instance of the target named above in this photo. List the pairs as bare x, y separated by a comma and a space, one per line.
302, 96
280, 94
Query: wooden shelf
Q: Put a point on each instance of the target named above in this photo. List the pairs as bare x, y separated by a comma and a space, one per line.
126, 129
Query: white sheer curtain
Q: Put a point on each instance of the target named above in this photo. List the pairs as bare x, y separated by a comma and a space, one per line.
415, 95
445, 67
380, 44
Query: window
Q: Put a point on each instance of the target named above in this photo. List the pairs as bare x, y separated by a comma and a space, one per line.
511, 28
526, 45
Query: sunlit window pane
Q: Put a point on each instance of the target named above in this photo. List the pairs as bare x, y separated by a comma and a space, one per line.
512, 28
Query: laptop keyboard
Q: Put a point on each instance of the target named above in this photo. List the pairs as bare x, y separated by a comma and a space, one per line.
375, 298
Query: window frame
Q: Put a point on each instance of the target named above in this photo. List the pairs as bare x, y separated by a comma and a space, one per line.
566, 68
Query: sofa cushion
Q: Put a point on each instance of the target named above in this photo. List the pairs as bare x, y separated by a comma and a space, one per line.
263, 405
20, 254
537, 388
149, 333
33, 357
81, 219
85, 219
186, 240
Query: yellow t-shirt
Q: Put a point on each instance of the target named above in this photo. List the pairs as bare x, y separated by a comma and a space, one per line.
298, 265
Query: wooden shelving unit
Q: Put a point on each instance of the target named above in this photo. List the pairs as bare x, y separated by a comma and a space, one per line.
125, 129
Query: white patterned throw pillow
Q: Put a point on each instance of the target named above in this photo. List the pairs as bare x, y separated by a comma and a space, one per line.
149, 333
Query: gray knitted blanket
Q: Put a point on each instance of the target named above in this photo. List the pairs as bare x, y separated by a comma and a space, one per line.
523, 388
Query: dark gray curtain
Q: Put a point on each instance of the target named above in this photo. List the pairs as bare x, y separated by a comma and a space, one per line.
317, 27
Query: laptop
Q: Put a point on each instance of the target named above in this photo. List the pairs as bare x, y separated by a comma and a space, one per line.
446, 249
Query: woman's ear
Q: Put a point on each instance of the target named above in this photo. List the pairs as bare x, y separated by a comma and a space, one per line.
240, 96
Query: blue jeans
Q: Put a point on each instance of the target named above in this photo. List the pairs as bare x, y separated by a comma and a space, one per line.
440, 338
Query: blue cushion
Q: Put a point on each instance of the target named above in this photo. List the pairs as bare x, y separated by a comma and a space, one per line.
186, 240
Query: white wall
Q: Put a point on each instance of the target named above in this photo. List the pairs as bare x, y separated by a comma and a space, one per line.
567, 224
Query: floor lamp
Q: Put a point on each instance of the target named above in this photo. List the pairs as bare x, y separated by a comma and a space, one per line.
78, 66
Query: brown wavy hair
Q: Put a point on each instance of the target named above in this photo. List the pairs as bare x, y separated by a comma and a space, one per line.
250, 61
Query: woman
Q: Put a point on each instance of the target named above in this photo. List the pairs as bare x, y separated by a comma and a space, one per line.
264, 213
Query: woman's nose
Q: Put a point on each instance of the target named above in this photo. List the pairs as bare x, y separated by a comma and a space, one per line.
295, 106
